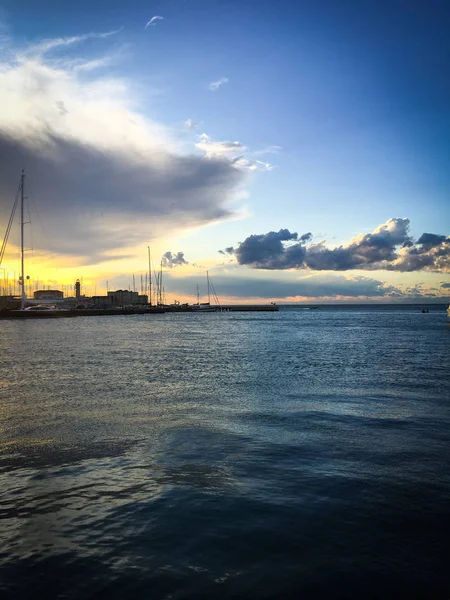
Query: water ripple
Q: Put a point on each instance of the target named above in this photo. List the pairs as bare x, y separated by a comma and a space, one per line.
296, 454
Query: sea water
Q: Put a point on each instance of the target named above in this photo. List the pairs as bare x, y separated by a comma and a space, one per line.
304, 453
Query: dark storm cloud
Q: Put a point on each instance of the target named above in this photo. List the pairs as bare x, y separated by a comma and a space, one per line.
445, 286
229, 250
431, 239
91, 200
170, 260
267, 251
388, 247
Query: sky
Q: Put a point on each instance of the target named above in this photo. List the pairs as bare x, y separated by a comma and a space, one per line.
297, 150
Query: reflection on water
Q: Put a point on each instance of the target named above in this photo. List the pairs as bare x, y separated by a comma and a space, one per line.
298, 453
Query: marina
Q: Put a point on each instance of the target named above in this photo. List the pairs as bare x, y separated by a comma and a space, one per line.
51, 304
224, 300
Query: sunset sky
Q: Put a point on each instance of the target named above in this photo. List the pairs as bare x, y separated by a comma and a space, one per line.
298, 150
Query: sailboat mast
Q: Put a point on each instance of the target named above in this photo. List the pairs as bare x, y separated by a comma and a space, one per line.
150, 274
22, 263
198, 297
161, 286
209, 291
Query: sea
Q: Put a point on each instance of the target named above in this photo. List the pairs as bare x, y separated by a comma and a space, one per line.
273, 455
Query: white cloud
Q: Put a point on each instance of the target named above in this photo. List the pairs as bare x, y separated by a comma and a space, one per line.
153, 21
51, 44
190, 124
212, 147
61, 107
233, 152
104, 176
215, 85
90, 65
268, 150
252, 165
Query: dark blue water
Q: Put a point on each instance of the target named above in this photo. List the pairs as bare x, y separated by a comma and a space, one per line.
299, 454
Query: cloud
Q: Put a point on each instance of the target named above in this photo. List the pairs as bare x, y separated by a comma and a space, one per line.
212, 147
190, 124
231, 151
90, 65
431, 240
445, 286
51, 44
267, 250
229, 250
215, 85
247, 164
170, 260
153, 21
102, 176
268, 150
61, 107
312, 286
388, 247
365, 251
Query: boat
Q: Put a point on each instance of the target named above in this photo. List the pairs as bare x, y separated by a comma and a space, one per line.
41, 307
425, 310
22, 278
206, 306
448, 310
36, 310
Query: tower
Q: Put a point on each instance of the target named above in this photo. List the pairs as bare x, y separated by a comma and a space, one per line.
77, 289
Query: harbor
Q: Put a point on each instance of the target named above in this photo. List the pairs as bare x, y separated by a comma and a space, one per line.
39, 312
52, 304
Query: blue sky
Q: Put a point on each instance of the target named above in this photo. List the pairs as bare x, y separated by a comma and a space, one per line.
346, 101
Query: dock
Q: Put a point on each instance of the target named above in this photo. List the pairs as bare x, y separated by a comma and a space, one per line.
186, 308
136, 310
79, 312
249, 308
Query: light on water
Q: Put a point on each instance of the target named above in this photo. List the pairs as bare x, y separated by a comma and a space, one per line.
298, 454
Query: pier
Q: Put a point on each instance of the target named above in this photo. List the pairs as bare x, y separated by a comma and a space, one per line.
136, 310
83, 312
249, 308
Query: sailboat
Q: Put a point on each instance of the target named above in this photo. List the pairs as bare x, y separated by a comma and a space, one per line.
37, 310
206, 306
22, 280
